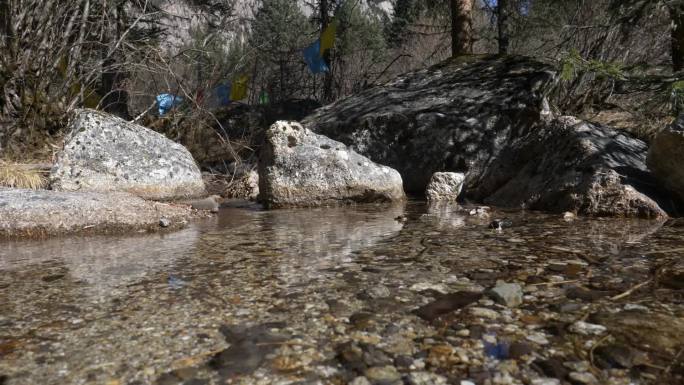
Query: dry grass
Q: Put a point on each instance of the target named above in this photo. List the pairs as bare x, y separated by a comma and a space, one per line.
19, 176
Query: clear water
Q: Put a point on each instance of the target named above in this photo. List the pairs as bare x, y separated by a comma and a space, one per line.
132, 309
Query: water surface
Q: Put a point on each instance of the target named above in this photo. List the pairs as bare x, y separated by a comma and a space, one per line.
256, 296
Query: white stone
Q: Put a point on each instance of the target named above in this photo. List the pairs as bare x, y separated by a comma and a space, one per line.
587, 329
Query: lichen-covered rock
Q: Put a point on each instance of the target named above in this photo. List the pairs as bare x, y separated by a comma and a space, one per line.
488, 118
300, 168
104, 153
444, 186
45, 213
665, 157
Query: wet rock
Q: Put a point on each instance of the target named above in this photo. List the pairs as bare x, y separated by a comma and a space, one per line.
545, 381
618, 356
383, 375
361, 380
551, 367
351, 356
585, 294
403, 361
376, 357
583, 378
665, 157
672, 275
300, 168
249, 347
645, 330
507, 294
519, 349
427, 286
587, 329
378, 291
446, 304
444, 186
500, 224
104, 153
425, 378
483, 312
538, 338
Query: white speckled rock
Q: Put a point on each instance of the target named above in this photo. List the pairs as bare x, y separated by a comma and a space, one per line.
104, 153
444, 186
300, 168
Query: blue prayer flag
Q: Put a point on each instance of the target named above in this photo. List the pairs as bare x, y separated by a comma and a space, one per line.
223, 94
312, 57
165, 102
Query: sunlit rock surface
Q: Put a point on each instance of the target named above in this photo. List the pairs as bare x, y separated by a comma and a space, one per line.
300, 168
105, 153
43, 213
444, 186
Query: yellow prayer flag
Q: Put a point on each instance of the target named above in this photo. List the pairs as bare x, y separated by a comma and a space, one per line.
328, 36
238, 90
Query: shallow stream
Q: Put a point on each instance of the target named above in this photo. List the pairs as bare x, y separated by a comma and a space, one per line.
330, 295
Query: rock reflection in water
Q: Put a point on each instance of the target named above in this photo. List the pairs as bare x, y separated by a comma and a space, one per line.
305, 241
103, 263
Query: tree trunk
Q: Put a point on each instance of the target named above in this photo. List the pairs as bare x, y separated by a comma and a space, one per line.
677, 15
328, 76
461, 27
502, 14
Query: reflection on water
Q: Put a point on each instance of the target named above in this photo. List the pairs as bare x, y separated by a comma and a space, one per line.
91, 310
102, 264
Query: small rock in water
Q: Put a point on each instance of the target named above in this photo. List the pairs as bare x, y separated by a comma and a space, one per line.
361, 380
426, 378
587, 329
538, 338
500, 224
583, 377
423, 286
446, 304
383, 375
379, 291
508, 294
636, 307
568, 216
484, 312
164, 222
545, 381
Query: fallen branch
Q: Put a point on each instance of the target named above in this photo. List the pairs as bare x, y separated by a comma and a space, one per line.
630, 291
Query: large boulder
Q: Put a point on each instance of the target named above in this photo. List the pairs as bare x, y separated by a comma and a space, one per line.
572, 165
665, 157
104, 153
489, 118
300, 168
43, 213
